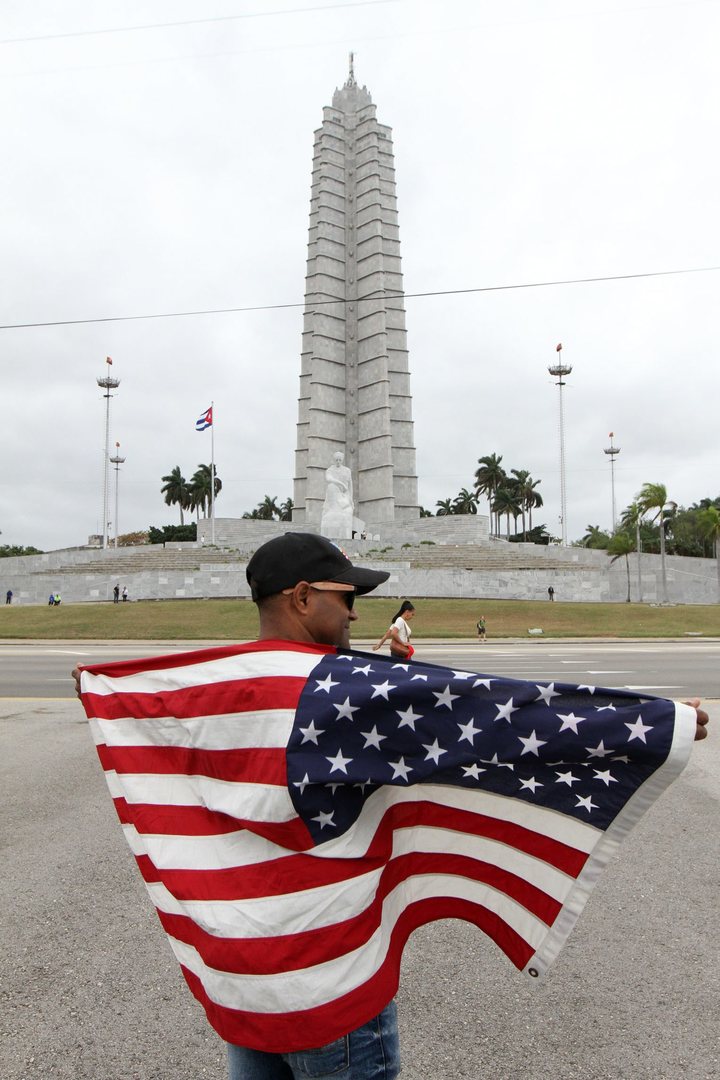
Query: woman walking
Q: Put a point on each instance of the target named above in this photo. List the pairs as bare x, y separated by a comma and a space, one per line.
399, 633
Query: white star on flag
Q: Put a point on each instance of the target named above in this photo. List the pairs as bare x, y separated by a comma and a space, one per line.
463, 674
530, 785
599, 750
302, 784
382, 690
445, 698
310, 733
346, 709
338, 763
325, 684
373, 738
547, 693
361, 670
434, 751
469, 731
567, 778
606, 777
570, 721
472, 770
531, 744
586, 803
408, 717
482, 682
399, 768
505, 711
325, 819
638, 729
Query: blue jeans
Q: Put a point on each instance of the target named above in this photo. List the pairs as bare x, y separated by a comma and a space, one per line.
372, 1052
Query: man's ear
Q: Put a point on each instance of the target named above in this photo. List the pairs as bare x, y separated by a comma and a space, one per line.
300, 597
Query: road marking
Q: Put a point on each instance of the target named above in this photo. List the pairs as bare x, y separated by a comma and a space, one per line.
654, 686
626, 672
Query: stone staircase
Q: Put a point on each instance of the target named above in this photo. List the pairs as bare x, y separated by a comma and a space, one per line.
474, 557
154, 558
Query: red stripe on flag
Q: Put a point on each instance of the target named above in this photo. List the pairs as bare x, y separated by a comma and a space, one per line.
285, 1032
258, 694
296, 872
292, 952
120, 668
250, 766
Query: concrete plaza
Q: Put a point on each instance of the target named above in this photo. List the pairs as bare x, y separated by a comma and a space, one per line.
91, 990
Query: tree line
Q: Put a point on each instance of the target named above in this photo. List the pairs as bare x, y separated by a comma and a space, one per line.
192, 494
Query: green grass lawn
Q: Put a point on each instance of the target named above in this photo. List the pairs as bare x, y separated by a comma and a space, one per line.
237, 619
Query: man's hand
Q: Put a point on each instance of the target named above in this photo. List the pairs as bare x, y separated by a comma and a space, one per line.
701, 718
76, 676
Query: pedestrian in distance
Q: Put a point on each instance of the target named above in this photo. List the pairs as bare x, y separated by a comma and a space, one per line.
8, 596
116, 594
125, 592
551, 593
57, 600
398, 633
481, 629
51, 600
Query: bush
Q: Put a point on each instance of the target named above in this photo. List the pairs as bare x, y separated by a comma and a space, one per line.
169, 533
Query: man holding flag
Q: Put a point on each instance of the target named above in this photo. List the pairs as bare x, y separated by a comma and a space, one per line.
297, 809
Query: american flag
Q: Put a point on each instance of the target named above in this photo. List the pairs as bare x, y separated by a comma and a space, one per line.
297, 811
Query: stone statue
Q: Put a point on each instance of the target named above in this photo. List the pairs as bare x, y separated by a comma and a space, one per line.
337, 512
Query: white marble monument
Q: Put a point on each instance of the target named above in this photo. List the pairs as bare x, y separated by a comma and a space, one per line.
354, 383
337, 512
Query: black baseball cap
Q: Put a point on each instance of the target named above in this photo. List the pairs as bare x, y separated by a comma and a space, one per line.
285, 560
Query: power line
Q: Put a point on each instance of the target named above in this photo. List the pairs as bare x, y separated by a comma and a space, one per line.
383, 295
191, 22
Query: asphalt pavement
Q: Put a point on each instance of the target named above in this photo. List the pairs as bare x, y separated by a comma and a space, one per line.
91, 990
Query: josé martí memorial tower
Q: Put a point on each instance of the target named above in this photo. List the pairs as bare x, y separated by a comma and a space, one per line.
354, 383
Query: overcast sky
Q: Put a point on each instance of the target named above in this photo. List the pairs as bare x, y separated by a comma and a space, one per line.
148, 171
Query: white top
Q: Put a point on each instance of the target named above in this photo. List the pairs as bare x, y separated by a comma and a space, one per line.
403, 630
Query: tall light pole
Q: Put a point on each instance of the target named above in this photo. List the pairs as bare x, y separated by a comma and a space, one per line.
612, 451
558, 371
117, 462
108, 384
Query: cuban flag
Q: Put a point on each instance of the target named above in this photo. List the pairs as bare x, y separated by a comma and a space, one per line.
296, 811
205, 421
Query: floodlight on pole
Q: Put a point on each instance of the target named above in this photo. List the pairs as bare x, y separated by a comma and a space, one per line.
117, 461
559, 371
612, 451
107, 384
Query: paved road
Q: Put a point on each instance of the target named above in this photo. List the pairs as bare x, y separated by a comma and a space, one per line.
670, 669
91, 991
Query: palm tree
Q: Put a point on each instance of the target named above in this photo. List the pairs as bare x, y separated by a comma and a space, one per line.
268, 508
709, 522
286, 509
200, 489
594, 537
632, 518
175, 489
506, 502
654, 497
528, 496
444, 507
465, 502
488, 478
620, 546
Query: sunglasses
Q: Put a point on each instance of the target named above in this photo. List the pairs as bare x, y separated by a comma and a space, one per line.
346, 591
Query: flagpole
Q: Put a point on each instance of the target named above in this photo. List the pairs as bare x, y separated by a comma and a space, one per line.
212, 474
